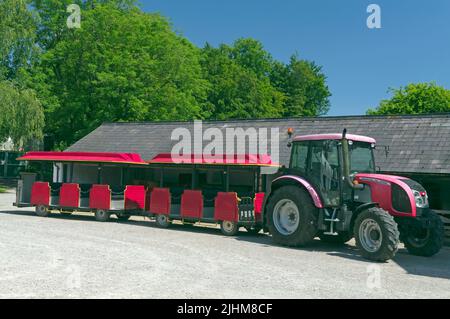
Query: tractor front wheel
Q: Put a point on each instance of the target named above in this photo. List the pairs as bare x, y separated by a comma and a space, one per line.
376, 234
292, 216
425, 240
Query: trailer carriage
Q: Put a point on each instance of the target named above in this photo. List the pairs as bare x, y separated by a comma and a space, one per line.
218, 189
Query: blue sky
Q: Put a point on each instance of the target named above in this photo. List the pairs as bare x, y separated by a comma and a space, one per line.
413, 44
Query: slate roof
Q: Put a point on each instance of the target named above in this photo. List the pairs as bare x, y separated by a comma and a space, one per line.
417, 144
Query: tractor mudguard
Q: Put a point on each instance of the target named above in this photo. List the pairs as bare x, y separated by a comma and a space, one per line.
360, 209
291, 180
296, 180
365, 206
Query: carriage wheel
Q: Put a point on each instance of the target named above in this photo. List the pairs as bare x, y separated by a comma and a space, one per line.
162, 220
42, 210
229, 228
102, 215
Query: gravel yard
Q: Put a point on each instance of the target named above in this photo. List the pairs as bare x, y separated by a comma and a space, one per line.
77, 257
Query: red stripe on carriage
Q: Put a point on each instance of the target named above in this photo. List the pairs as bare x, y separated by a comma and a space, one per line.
226, 206
160, 201
100, 197
135, 197
40, 193
69, 195
191, 204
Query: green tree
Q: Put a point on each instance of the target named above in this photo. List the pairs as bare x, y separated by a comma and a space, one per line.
121, 65
21, 115
417, 98
52, 15
236, 90
250, 54
17, 38
22, 118
304, 85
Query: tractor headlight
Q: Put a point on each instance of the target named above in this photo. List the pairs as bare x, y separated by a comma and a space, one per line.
421, 198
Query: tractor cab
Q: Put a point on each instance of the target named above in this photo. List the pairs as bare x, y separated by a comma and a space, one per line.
322, 159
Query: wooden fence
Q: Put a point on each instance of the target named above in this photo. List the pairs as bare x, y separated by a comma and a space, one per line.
445, 215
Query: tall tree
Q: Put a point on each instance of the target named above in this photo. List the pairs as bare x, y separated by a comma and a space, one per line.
237, 91
250, 54
416, 98
21, 115
22, 118
121, 65
304, 85
53, 16
17, 37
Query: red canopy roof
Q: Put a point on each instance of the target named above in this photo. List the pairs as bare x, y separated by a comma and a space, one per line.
91, 157
218, 159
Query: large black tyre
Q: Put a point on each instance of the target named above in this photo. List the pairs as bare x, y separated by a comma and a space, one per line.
376, 234
42, 211
339, 239
425, 242
102, 215
300, 228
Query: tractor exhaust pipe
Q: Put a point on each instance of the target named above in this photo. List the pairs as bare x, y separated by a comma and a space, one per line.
346, 162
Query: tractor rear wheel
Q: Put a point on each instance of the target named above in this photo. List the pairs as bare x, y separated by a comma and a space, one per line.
425, 241
292, 216
340, 238
376, 234
42, 210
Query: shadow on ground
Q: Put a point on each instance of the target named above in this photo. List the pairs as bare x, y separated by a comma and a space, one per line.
436, 266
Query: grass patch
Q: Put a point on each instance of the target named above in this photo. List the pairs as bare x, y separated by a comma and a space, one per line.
3, 189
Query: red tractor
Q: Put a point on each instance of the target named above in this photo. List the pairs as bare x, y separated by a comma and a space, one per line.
331, 190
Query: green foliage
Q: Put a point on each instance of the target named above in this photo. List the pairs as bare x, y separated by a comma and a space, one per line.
417, 98
21, 117
237, 91
120, 66
304, 85
17, 37
127, 65
3, 190
250, 54
52, 16
248, 83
